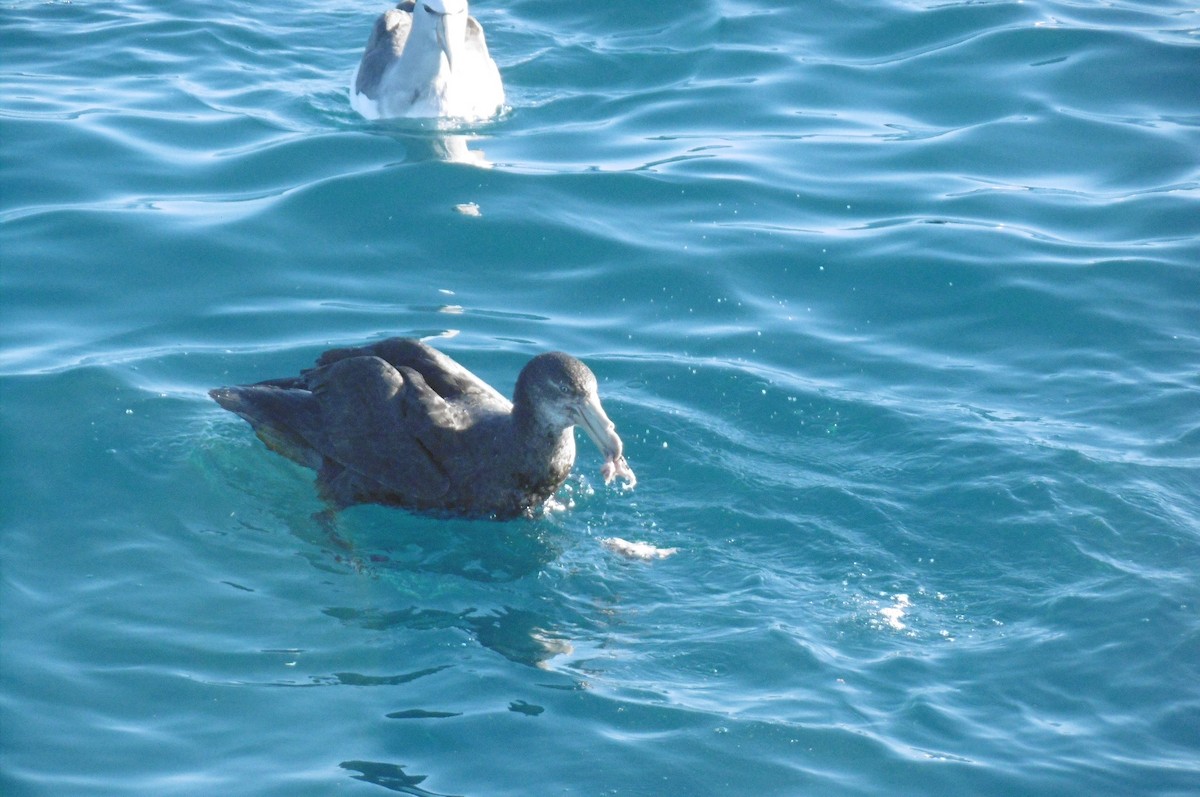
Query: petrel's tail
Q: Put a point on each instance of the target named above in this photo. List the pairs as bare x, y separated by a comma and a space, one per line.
284, 419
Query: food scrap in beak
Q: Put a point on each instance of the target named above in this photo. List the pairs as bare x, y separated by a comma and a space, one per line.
603, 432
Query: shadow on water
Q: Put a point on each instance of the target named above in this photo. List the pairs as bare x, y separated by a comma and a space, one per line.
518, 635
386, 543
389, 776
393, 546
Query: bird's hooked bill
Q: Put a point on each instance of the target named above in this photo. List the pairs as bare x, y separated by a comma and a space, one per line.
603, 432
451, 35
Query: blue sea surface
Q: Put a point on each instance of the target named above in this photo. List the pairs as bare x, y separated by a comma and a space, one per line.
895, 304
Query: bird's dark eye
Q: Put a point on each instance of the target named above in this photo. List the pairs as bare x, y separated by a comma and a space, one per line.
428, 10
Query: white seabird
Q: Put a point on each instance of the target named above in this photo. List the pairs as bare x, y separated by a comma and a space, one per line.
427, 59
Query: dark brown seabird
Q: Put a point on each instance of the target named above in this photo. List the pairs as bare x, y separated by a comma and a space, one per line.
399, 423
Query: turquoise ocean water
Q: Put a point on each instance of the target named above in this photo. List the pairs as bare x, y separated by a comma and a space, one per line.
894, 303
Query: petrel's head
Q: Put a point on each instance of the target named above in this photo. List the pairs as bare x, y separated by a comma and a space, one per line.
561, 392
